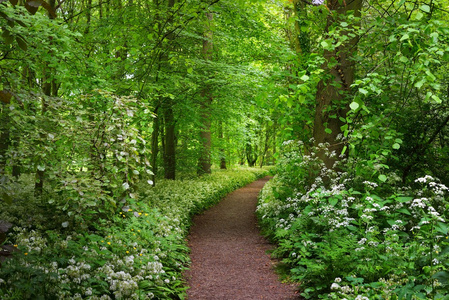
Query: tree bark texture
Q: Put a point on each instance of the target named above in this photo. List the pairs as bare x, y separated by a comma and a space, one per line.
169, 122
204, 162
332, 98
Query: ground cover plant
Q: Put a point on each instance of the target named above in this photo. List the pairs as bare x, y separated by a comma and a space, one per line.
101, 99
138, 252
342, 237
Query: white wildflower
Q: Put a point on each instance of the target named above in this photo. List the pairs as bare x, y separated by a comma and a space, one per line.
335, 286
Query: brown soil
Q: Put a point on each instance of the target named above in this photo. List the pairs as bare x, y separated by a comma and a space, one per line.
229, 259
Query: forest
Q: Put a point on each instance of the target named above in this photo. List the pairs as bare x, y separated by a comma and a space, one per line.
122, 119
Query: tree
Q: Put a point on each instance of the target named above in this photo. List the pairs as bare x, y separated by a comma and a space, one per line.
334, 89
204, 162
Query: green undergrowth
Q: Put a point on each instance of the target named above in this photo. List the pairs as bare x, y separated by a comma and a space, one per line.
139, 252
347, 237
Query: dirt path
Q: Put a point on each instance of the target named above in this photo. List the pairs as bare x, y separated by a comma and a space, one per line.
229, 259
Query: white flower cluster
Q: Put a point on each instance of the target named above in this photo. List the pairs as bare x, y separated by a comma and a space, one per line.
31, 240
75, 272
371, 184
345, 289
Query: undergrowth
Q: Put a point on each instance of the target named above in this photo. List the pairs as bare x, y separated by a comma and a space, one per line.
138, 252
342, 236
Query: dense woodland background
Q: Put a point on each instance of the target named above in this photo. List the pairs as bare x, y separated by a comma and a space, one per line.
105, 101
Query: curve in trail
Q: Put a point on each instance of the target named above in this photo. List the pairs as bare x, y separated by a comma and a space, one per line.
229, 259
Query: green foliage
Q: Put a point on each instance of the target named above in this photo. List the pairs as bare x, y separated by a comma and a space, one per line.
341, 239
137, 252
93, 157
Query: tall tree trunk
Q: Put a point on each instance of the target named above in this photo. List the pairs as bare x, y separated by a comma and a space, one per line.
251, 154
50, 89
155, 144
332, 98
222, 151
266, 145
5, 99
204, 162
300, 37
170, 142
169, 121
88, 16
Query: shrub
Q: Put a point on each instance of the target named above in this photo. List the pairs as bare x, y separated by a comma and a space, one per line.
139, 252
343, 239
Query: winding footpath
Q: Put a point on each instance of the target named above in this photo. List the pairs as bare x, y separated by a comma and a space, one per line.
229, 259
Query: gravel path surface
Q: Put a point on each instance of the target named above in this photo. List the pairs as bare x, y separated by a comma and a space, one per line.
229, 259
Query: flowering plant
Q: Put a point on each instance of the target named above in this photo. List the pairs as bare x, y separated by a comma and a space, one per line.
377, 243
138, 253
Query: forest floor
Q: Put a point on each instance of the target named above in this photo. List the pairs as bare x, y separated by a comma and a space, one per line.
229, 256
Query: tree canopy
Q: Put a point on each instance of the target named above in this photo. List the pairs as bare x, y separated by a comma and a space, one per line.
98, 97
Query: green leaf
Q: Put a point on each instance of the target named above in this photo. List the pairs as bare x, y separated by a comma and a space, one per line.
305, 78
442, 277
396, 146
21, 42
420, 83
7, 198
7, 37
425, 8
442, 228
405, 37
333, 201
419, 15
436, 99
382, 177
403, 59
363, 91
328, 130
354, 105
404, 211
190, 70
403, 199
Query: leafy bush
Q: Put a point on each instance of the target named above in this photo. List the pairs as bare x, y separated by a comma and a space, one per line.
140, 252
342, 239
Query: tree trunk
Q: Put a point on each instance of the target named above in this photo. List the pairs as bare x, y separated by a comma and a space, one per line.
251, 155
155, 144
170, 142
50, 89
4, 134
40, 173
332, 98
204, 162
169, 121
300, 39
222, 151
266, 145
